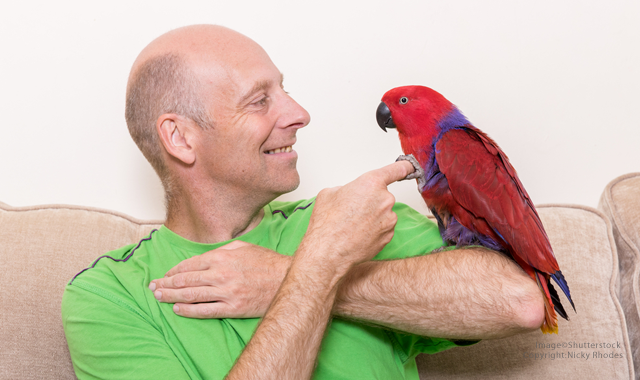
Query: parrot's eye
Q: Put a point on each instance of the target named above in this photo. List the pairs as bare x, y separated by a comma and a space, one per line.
403, 100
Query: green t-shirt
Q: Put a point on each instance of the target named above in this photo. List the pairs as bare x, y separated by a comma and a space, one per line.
116, 329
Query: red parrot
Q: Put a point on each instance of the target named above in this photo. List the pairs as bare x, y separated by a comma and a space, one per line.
471, 188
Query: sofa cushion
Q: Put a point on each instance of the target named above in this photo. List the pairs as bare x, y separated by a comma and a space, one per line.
584, 247
41, 248
620, 201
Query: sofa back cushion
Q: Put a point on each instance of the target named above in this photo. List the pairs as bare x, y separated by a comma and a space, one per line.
584, 247
41, 249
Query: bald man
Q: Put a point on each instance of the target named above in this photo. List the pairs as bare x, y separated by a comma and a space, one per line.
236, 284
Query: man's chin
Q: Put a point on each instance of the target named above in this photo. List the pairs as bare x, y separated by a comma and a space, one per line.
285, 187
291, 187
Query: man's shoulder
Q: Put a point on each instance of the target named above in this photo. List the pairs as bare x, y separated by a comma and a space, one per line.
104, 261
404, 208
408, 214
114, 279
414, 234
287, 208
109, 269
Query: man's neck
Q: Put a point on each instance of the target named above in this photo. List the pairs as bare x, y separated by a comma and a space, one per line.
207, 219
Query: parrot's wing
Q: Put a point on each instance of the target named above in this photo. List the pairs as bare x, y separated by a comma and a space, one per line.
483, 182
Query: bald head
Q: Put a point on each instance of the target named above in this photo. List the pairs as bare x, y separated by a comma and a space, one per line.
200, 45
177, 73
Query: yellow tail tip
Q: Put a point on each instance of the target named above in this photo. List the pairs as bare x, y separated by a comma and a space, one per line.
546, 329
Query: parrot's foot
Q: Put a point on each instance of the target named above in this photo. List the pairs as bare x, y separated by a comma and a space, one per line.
441, 249
418, 174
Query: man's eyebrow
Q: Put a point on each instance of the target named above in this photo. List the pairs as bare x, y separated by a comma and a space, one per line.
259, 86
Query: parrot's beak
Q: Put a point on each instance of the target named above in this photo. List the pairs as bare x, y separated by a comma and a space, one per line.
383, 115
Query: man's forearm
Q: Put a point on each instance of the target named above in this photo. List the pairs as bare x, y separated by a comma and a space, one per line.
471, 293
287, 341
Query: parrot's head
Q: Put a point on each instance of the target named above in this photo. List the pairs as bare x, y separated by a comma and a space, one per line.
419, 114
413, 110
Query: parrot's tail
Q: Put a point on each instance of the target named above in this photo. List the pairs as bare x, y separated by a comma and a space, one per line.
550, 324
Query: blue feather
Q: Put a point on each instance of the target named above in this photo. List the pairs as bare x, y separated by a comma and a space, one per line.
559, 279
454, 119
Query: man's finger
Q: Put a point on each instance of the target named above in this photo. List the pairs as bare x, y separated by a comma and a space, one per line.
202, 310
187, 295
394, 172
184, 280
189, 265
212, 310
234, 245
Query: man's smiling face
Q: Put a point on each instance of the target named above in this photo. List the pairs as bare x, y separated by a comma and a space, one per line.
250, 147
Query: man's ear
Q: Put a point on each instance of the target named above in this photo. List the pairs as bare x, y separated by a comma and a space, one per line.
176, 136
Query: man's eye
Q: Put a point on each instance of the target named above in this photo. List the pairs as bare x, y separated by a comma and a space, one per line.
262, 101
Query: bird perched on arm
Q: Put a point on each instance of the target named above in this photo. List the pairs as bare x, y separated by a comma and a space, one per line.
471, 188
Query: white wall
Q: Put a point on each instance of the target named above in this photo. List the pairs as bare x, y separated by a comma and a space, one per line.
556, 83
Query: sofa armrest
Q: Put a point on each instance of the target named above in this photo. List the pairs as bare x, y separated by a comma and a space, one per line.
41, 249
620, 202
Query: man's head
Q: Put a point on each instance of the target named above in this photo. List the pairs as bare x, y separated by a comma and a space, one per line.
206, 107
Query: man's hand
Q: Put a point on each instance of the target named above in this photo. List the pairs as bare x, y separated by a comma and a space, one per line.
237, 280
355, 221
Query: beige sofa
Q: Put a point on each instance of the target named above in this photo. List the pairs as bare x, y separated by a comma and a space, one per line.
42, 247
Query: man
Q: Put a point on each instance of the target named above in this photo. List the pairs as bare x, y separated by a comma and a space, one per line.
207, 108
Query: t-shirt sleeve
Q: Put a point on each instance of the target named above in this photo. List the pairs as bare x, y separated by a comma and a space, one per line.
409, 346
109, 338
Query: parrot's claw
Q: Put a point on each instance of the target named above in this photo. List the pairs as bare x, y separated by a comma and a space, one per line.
418, 173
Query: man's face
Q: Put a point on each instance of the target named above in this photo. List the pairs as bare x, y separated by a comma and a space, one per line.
249, 150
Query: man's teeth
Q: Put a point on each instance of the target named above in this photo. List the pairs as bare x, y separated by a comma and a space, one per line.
284, 149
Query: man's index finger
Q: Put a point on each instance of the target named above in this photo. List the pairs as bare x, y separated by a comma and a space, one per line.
395, 172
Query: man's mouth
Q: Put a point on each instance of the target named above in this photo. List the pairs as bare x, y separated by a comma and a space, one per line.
284, 149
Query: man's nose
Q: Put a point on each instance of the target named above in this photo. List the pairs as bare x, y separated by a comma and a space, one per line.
293, 114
